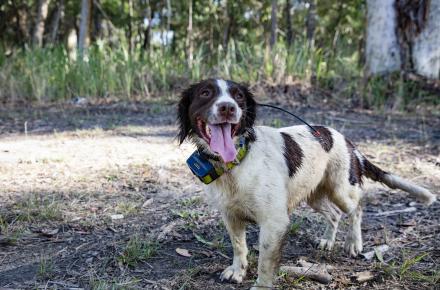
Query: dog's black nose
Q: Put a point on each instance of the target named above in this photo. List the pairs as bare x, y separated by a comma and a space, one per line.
226, 109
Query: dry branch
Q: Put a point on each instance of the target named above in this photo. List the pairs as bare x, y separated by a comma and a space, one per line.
311, 271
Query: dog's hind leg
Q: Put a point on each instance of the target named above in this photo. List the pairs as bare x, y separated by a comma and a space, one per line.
333, 215
353, 240
237, 233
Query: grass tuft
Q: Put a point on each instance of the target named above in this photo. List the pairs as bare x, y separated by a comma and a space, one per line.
137, 251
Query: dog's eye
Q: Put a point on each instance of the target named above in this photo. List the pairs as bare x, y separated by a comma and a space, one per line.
205, 93
239, 96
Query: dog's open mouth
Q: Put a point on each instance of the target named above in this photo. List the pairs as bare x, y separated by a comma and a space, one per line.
219, 137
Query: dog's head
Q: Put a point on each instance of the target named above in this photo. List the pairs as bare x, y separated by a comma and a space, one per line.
213, 113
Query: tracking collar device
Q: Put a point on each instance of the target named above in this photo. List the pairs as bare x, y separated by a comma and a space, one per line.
203, 168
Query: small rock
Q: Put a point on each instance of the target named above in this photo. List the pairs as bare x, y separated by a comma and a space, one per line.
117, 216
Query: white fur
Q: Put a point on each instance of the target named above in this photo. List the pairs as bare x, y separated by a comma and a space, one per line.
260, 190
418, 192
224, 97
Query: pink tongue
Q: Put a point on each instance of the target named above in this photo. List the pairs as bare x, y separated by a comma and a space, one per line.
221, 141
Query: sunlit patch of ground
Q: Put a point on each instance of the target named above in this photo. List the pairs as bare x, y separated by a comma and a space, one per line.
101, 206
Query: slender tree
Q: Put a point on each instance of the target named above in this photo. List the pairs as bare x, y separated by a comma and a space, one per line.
273, 24
311, 23
289, 32
84, 26
189, 37
59, 13
42, 9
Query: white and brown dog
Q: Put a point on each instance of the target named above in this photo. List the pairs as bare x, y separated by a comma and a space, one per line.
282, 168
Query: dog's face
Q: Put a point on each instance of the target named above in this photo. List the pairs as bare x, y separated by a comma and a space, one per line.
213, 113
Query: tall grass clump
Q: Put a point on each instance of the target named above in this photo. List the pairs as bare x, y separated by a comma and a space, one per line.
54, 74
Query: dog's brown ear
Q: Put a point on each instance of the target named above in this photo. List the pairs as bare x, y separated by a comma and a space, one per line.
183, 114
251, 107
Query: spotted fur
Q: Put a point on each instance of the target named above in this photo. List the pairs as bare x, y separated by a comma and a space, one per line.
282, 168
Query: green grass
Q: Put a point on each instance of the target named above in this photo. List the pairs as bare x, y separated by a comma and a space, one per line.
137, 251
38, 207
45, 267
407, 270
51, 75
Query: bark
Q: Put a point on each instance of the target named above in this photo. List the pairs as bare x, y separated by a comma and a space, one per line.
169, 14
382, 46
130, 28
97, 21
426, 48
289, 32
189, 37
311, 23
227, 26
59, 13
273, 24
42, 9
84, 26
146, 43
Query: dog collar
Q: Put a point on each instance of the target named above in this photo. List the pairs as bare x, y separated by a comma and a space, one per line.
202, 167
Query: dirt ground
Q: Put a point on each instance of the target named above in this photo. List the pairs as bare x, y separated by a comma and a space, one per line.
99, 197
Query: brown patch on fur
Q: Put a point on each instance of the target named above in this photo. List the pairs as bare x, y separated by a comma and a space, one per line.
355, 174
292, 153
325, 137
372, 171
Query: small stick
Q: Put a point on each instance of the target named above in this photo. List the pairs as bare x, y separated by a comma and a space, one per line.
397, 211
313, 272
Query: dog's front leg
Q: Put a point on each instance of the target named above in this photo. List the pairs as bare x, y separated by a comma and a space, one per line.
237, 233
272, 235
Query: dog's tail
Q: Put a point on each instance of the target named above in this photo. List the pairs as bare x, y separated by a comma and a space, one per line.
393, 181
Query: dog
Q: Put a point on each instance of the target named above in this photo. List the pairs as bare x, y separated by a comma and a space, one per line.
282, 167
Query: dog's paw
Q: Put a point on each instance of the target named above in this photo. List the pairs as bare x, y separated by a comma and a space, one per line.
234, 274
353, 247
325, 244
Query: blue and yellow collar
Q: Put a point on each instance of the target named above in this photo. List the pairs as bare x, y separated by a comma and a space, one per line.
205, 170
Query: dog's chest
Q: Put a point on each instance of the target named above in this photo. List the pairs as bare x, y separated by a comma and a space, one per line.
233, 198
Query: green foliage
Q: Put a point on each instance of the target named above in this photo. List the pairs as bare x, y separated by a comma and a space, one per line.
137, 251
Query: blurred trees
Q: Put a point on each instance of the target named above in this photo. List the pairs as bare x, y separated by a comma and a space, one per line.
141, 23
336, 44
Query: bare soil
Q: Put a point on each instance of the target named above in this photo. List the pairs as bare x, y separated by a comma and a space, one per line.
99, 197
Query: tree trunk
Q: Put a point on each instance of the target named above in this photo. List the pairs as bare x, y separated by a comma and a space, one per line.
311, 24
59, 13
227, 26
273, 24
382, 47
97, 21
169, 14
130, 28
289, 32
146, 43
426, 48
189, 37
42, 9
84, 26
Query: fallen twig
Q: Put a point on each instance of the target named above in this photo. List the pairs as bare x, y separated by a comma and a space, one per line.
397, 211
312, 271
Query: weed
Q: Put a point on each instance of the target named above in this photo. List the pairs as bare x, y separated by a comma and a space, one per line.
189, 215
295, 226
408, 263
192, 201
45, 267
38, 207
137, 251
127, 208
